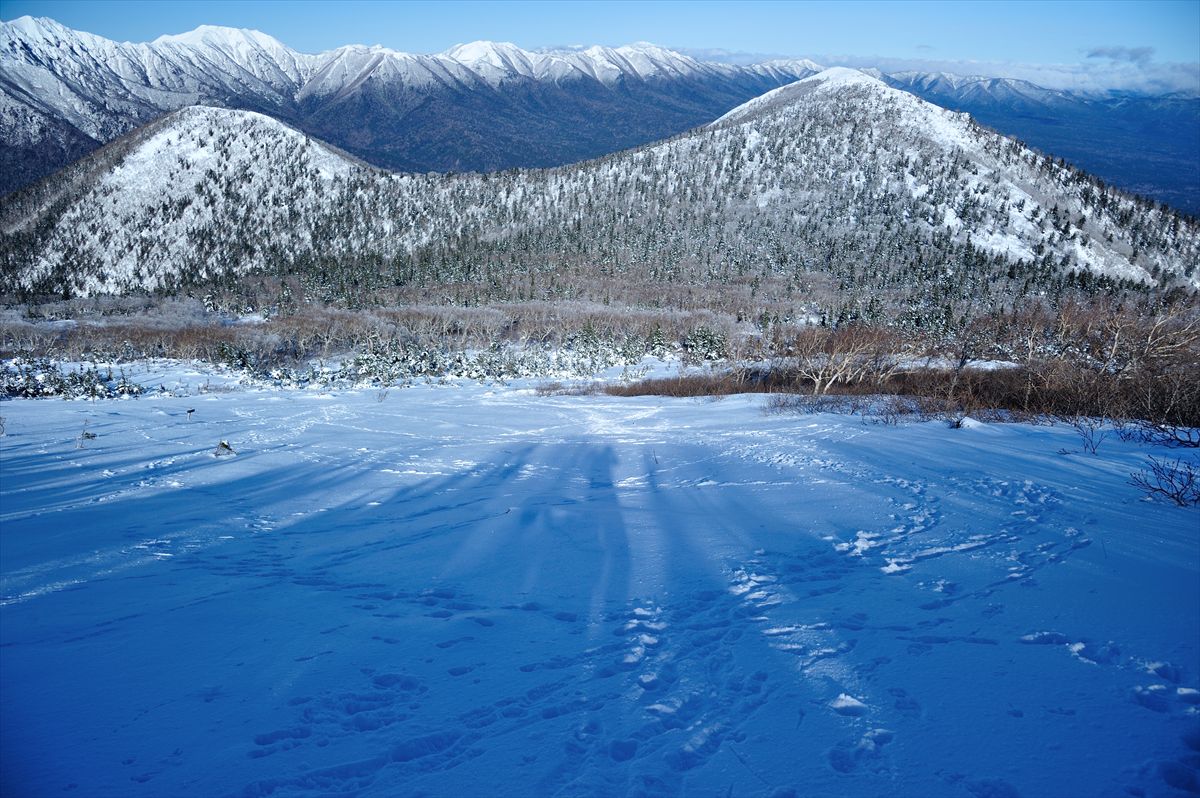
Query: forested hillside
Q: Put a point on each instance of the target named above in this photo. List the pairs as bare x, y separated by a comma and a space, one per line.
836, 188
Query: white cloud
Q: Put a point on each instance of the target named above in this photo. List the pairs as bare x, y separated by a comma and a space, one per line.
1107, 69
1134, 55
728, 56
1127, 74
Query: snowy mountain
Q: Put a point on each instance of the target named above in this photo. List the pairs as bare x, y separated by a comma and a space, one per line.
1147, 145
477, 106
486, 106
836, 177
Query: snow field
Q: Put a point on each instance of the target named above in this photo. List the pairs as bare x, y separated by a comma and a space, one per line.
466, 590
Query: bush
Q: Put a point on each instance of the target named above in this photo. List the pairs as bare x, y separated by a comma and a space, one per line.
1170, 435
40, 377
704, 343
1091, 431
810, 403
854, 354
722, 383
1177, 480
399, 361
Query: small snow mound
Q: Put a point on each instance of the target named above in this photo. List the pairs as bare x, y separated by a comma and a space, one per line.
846, 704
876, 739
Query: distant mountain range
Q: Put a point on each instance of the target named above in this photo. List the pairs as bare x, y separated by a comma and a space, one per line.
481, 106
836, 180
1143, 144
490, 106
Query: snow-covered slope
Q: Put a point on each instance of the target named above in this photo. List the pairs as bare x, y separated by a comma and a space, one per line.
831, 79
469, 590
104, 88
835, 172
1149, 145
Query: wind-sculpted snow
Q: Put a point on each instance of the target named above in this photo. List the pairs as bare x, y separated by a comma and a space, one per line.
836, 173
465, 590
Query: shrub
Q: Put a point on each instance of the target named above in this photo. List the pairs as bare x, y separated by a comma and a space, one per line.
41, 377
854, 354
1177, 480
1091, 431
722, 383
704, 343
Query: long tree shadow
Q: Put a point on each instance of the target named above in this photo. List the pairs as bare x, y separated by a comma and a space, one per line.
317, 600
530, 615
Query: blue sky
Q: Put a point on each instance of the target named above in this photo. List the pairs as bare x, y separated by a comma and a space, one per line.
1124, 38
1047, 32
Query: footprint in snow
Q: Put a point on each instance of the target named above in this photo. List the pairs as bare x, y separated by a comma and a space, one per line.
849, 755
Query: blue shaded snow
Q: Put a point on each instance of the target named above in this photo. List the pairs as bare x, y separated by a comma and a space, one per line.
461, 590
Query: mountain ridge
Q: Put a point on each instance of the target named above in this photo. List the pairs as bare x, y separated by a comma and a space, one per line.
920, 203
487, 106
63, 91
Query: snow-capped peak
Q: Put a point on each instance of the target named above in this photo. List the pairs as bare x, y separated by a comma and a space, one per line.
493, 52
222, 37
42, 32
651, 49
795, 64
498, 61
31, 25
652, 59
843, 76
831, 79
495, 61
36, 27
